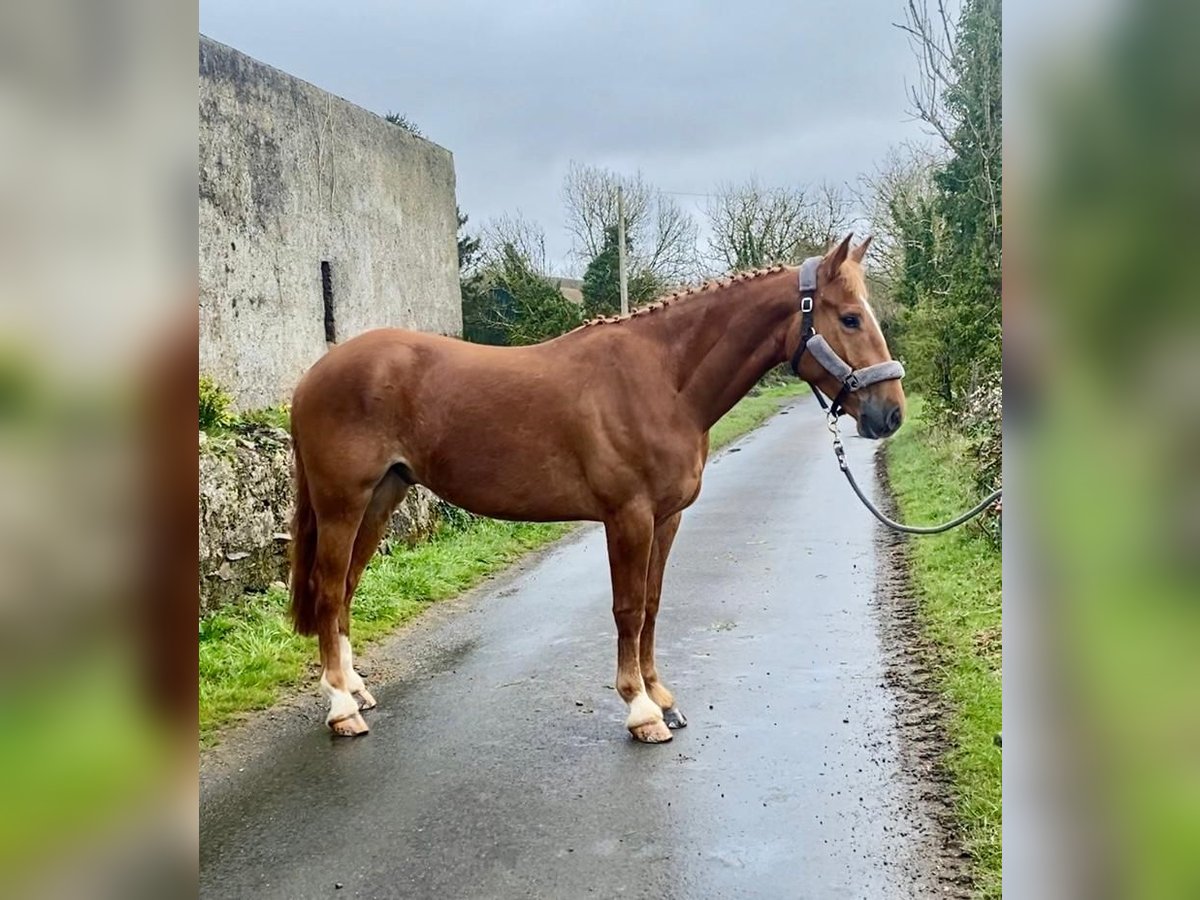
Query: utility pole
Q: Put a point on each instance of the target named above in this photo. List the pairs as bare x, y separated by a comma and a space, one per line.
622, 273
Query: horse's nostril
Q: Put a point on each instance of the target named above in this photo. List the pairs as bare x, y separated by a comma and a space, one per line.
895, 417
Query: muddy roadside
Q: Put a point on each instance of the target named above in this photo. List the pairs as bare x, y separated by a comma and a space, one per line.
922, 717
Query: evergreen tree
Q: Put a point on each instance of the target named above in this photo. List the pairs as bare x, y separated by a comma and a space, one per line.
526, 307
950, 233
602, 280
479, 323
468, 246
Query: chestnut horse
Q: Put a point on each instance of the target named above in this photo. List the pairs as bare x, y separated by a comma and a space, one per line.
607, 423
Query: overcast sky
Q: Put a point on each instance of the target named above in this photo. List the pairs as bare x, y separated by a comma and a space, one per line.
691, 93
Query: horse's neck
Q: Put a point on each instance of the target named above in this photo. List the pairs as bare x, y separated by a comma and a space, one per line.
729, 340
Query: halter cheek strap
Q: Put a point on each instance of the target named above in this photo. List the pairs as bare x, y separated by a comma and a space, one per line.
808, 293
811, 342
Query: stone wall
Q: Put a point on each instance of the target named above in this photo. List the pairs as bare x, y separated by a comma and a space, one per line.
246, 502
291, 178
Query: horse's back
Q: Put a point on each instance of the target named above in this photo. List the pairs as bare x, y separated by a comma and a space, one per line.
422, 398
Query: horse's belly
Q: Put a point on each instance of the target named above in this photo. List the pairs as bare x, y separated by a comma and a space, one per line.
540, 489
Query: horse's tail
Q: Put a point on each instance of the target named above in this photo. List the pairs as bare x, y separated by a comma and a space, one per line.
303, 552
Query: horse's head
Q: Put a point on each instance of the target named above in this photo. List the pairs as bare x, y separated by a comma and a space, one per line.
842, 315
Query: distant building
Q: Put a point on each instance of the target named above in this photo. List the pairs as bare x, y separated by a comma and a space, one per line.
318, 220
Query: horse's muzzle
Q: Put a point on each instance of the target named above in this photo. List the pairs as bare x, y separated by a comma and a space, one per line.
879, 420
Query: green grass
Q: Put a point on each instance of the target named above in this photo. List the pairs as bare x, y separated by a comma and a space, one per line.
275, 416
957, 580
218, 418
250, 658
249, 654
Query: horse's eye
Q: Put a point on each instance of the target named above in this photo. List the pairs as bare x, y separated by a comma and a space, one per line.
850, 321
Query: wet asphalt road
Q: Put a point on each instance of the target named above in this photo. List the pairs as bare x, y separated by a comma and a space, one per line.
499, 766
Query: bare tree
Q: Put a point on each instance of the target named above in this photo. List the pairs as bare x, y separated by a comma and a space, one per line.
830, 219
662, 234
937, 44
668, 245
752, 226
525, 236
590, 199
934, 39
902, 181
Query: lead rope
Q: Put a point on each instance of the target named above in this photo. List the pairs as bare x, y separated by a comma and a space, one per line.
840, 452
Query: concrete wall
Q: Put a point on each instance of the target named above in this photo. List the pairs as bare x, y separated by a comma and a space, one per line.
291, 176
246, 499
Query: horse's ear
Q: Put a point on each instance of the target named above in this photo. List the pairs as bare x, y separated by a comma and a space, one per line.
834, 258
860, 251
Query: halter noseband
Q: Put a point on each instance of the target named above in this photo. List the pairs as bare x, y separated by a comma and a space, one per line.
851, 379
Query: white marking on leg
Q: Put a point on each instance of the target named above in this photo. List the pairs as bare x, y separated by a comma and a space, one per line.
354, 682
341, 704
642, 711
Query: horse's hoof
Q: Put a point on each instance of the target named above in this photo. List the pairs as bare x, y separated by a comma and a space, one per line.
350, 726
655, 732
367, 701
674, 718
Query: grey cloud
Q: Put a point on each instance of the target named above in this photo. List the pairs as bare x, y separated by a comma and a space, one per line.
690, 93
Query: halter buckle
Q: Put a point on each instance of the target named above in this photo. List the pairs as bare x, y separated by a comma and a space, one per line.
806, 304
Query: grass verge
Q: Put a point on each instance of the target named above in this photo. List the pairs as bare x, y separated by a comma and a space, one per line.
752, 411
249, 654
956, 577
250, 657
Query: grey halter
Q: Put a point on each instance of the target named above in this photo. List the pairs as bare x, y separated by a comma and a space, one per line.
811, 342
852, 380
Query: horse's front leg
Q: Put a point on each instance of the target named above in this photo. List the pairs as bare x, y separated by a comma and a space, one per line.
664, 536
630, 537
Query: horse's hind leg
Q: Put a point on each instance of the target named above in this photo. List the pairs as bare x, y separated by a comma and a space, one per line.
664, 536
630, 536
335, 542
388, 494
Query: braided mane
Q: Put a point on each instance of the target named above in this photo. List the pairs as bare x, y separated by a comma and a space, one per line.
681, 295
